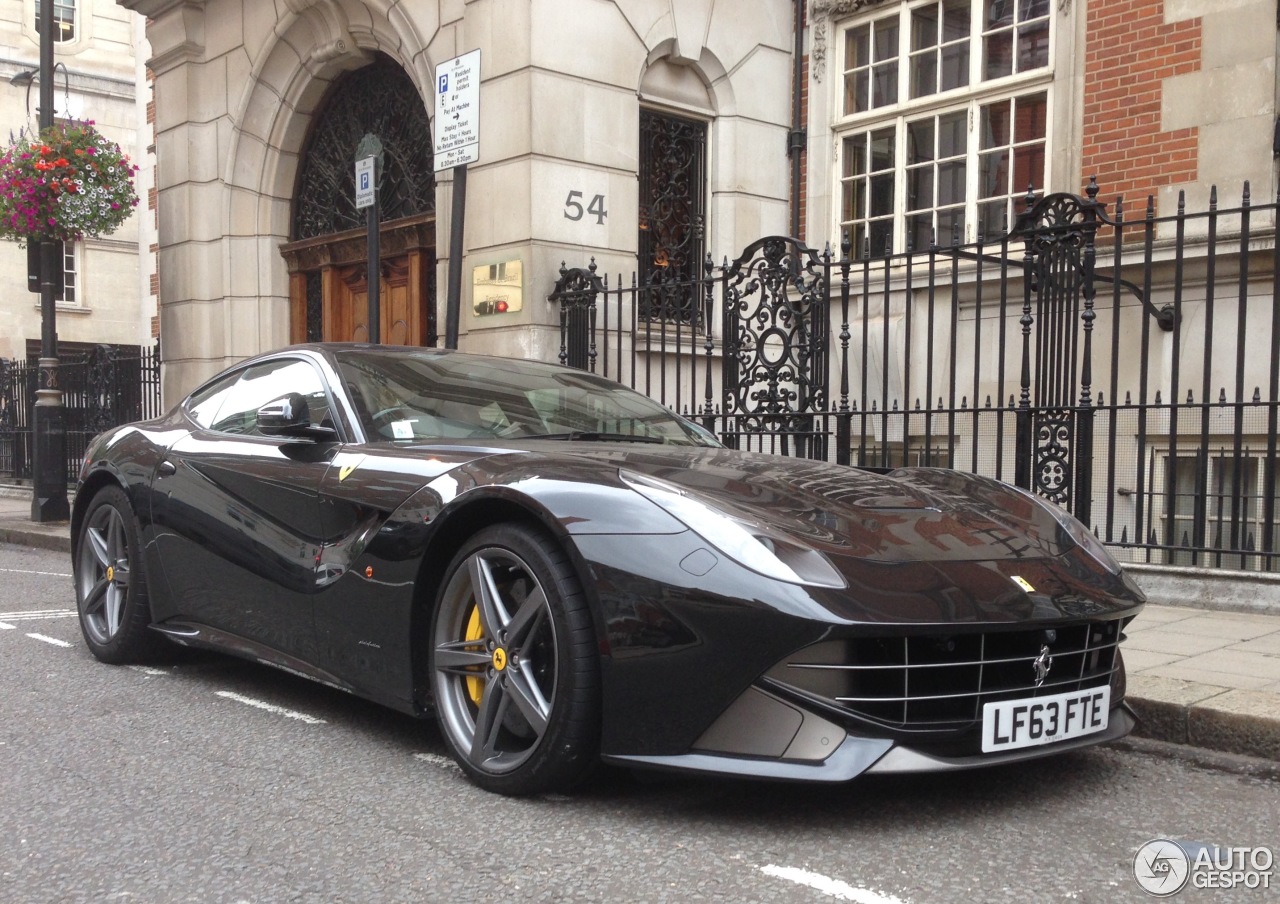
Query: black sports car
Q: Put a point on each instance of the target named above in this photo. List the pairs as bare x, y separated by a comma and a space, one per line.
565, 572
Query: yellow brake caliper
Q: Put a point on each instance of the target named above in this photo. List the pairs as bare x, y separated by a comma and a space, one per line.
475, 631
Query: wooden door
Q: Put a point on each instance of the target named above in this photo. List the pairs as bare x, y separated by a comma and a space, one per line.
329, 290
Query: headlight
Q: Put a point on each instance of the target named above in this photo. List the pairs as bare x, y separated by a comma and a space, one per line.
749, 543
1077, 531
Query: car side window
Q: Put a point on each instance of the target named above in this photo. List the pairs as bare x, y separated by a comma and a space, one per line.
205, 403
268, 382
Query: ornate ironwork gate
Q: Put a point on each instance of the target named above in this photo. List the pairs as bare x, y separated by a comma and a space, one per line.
1055, 426
775, 345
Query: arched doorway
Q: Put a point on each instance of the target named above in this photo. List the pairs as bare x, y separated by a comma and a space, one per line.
327, 255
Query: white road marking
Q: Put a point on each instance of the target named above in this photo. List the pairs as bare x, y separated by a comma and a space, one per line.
49, 574
52, 640
4, 627
32, 614
436, 759
148, 671
271, 708
833, 888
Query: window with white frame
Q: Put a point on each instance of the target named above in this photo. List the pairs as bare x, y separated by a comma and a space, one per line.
64, 19
71, 273
942, 120
1217, 502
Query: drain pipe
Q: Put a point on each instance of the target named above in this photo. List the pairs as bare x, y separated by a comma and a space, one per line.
796, 138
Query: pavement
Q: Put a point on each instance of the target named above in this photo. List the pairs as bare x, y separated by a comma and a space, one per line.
1198, 676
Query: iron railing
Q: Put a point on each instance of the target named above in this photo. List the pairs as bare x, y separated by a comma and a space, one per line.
102, 388
1132, 377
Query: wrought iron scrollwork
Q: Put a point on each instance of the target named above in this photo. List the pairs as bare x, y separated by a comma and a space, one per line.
382, 100
775, 335
575, 292
672, 200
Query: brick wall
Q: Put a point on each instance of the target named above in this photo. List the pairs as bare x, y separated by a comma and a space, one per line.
1129, 52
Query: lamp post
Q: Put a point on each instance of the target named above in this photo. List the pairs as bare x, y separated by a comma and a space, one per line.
49, 460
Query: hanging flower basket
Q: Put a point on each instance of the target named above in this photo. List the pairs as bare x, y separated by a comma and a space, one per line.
67, 183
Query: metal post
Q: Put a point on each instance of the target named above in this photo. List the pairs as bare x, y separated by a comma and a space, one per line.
49, 471
371, 146
453, 304
375, 273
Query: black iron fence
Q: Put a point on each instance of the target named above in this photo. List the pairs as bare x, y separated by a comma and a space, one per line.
1123, 366
102, 387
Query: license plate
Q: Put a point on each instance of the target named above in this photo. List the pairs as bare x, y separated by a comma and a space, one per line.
1011, 724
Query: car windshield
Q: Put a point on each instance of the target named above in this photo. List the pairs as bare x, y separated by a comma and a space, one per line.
410, 395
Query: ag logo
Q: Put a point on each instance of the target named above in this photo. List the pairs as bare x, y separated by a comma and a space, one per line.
1161, 867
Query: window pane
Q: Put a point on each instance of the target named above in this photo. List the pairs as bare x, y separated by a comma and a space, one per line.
999, 12
856, 88
999, 54
857, 48
882, 156
950, 226
1030, 122
855, 154
1032, 9
886, 40
951, 178
882, 195
995, 125
993, 174
991, 219
1033, 46
881, 236
955, 67
955, 20
885, 85
920, 231
924, 27
919, 141
924, 74
920, 188
951, 133
1028, 167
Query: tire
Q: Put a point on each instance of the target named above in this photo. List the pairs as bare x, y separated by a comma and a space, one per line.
514, 668
111, 584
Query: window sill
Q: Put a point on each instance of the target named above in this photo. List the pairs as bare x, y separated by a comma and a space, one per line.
61, 307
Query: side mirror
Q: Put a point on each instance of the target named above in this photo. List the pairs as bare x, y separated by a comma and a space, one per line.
288, 412
289, 416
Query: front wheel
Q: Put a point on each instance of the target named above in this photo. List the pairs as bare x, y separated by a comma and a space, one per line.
111, 586
514, 665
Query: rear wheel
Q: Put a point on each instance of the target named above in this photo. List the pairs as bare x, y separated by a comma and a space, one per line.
514, 664
111, 586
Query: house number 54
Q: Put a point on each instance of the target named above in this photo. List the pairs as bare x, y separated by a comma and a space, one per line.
573, 208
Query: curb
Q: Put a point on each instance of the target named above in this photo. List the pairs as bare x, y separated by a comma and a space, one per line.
1239, 722
56, 539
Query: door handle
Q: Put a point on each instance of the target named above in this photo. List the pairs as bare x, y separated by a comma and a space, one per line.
166, 468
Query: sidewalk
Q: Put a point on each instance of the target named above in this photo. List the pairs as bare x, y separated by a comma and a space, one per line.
1197, 676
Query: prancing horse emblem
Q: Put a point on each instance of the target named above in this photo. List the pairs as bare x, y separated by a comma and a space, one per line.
1042, 664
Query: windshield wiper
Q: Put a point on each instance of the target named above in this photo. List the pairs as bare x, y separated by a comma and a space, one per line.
593, 437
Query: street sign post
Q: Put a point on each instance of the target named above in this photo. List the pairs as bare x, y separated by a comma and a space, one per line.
457, 144
457, 118
366, 191
368, 171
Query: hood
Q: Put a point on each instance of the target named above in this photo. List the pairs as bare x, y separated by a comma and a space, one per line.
916, 514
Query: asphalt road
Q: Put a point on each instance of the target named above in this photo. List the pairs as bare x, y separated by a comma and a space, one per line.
207, 779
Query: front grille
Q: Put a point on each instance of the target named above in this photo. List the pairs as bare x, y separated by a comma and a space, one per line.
939, 682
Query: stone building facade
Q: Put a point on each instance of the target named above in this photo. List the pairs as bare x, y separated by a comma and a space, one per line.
97, 74
243, 89
921, 119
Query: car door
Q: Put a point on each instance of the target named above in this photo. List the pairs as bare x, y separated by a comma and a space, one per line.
239, 515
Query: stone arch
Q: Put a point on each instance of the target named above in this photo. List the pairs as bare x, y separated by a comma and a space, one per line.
314, 43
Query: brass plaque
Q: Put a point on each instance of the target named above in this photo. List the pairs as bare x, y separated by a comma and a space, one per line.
497, 288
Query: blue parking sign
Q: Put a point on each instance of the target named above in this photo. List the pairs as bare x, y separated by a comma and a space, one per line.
444, 83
